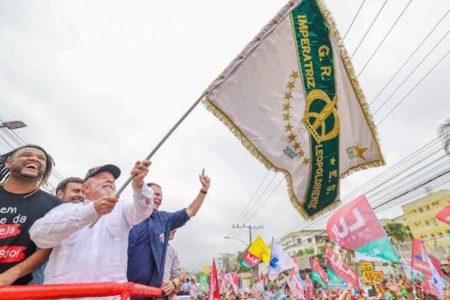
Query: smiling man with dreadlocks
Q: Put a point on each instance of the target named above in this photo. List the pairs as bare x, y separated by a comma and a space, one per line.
22, 172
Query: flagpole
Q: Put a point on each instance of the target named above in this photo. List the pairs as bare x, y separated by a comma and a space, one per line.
168, 134
150, 155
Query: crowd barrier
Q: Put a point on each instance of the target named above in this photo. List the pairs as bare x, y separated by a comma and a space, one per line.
78, 290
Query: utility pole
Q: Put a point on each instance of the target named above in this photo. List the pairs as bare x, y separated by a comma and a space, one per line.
250, 229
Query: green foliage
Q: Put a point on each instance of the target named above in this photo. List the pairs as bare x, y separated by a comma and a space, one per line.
398, 232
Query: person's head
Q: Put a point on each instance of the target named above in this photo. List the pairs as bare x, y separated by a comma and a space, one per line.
70, 190
100, 181
28, 164
157, 194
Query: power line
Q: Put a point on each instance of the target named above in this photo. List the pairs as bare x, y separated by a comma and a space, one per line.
257, 199
384, 38
413, 88
410, 56
386, 172
353, 21
271, 193
396, 197
412, 72
253, 196
368, 29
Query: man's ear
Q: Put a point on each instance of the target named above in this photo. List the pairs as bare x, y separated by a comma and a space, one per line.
85, 188
60, 194
8, 163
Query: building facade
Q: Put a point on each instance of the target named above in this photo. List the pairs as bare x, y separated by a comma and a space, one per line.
420, 216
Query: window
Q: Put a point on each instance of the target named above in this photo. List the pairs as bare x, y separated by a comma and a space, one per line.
427, 222
433, 221
421, 209
427, 207
440, 234
309, 240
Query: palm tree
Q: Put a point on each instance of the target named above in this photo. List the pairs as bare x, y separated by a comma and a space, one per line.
444, 134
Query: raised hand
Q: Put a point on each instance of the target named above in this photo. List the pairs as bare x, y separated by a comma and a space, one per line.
204, 180
139, 171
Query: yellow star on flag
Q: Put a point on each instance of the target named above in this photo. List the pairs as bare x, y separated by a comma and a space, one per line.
295, 74
287, 106
333, 161
360, 151
288, 96
288, 127
286, 117
292, 137
291, 85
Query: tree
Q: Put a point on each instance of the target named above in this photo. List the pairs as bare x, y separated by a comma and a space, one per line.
398, 232
444, 134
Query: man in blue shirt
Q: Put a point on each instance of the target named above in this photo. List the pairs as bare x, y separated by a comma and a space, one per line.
148, 240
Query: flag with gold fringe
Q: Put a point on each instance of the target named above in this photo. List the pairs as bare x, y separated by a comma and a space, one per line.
292, 98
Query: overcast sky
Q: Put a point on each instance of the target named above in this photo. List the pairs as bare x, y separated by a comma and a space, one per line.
103, 81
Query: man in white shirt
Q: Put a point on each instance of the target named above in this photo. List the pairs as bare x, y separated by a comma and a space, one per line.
97, 254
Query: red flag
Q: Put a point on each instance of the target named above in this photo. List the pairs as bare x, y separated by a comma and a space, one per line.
232, 280
294, 281
309, 288
214, 289
250, 259
418, 261
444, 215
339, 267
315, 267
263, 279
354, 225
437, 265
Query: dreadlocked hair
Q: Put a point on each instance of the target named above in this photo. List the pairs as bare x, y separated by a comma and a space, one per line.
4, 172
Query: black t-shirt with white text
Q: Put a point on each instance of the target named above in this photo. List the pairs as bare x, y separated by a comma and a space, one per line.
18, 212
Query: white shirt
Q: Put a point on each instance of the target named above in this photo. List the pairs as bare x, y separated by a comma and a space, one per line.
83, 254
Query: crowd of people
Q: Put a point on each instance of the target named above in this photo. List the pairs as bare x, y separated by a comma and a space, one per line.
399, 288
85, 233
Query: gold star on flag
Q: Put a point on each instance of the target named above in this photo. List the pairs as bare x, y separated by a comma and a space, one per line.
360, 151
301, 152
292, 137
295, 74
287, 96
287, 106
306, 161
288, 127
296, 146
286, 117
333, 161
291, 85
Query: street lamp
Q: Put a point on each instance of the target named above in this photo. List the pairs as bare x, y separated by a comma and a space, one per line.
13, 125
233, 238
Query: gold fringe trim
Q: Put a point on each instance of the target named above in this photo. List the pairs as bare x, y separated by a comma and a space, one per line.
265, 31
219, 114
356, 88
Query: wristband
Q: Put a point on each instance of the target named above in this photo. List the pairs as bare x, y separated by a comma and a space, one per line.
174, 284
203, 192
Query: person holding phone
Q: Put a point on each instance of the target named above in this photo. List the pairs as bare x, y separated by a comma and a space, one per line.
148, 241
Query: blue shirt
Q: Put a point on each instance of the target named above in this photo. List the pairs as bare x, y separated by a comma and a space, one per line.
147, 246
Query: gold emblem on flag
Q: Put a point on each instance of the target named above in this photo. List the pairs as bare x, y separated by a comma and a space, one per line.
318, 129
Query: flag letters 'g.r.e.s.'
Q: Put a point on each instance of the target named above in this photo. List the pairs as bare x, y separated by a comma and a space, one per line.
291, 97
